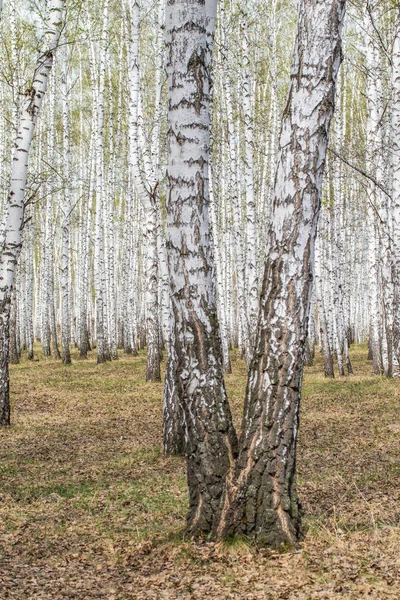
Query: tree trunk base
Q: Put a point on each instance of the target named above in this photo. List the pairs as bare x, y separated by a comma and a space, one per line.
5, 418
56, 353
267, 527
5, 410
102, 359
66, 357
308, 355
153, 377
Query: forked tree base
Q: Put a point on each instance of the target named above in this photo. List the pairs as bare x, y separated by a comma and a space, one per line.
269, 534
103, 354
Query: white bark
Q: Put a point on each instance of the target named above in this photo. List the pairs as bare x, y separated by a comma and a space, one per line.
144, 174
251, 229
66, 215
209, 435
11, 235
99, 259
396, 188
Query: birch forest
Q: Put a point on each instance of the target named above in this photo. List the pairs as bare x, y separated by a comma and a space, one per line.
199, 299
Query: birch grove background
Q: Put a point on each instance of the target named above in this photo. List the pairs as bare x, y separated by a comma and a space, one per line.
93, 269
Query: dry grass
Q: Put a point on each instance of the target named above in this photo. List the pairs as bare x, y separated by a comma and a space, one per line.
89, 508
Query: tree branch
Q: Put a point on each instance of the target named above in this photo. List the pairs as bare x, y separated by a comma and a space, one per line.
361, 171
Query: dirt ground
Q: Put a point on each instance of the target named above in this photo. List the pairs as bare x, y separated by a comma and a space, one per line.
90, 509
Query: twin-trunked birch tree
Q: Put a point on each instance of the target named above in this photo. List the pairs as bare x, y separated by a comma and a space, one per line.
246, 487
174, 202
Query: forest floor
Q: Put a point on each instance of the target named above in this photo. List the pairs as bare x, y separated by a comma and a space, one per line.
90, 509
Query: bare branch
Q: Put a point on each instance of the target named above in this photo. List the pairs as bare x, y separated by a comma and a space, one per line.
361, 171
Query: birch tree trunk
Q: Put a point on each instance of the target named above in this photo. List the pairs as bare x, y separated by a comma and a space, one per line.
103, 352
261, 500
14, 357
45, 278
173, 421
235, 199
396, 190
323, 327
210, 436
84, 345
145, 180
251, 230
49, 240
11, 239
374, 167
29, 260
66, 218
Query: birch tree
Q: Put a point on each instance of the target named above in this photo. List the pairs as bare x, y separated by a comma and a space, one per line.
259, 496
145, 177
210, 437
66, 215
103, 351
260, 499
396, 187
11, 238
